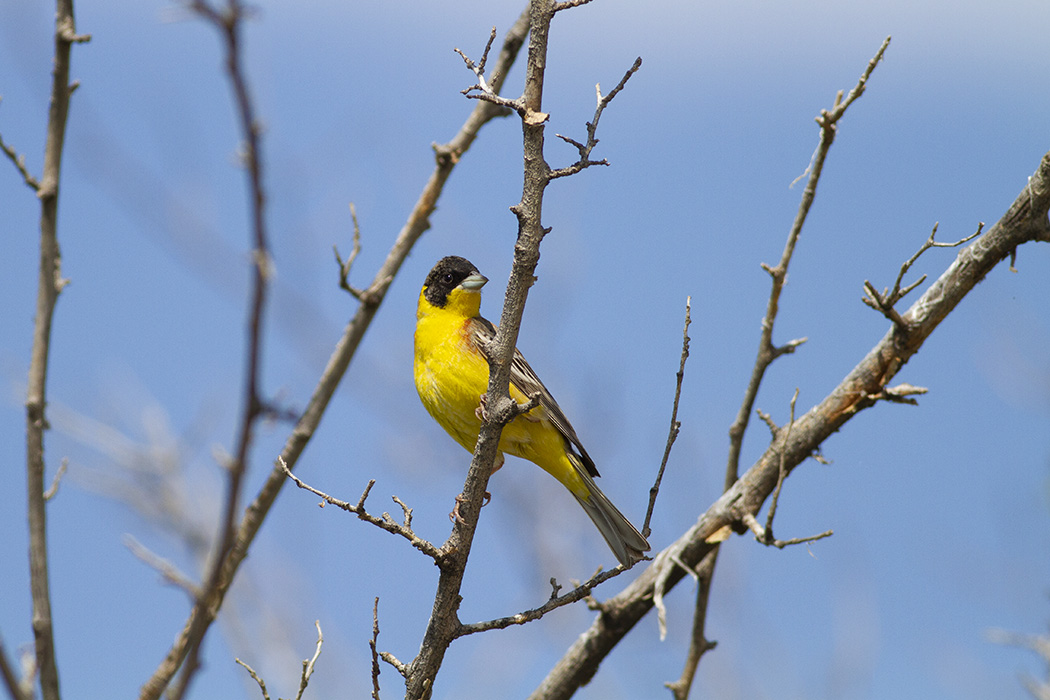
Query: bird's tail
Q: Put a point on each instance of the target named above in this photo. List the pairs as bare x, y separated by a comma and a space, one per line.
622, 537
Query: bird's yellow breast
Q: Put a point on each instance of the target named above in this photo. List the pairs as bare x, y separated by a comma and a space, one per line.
452, 375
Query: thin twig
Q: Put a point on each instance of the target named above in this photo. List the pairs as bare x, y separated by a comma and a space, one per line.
761, 534
256, 677
52, 490
579, 592
19, 161
701, 543
168, 571
584, 149
775, 499
675, 424
386, 522
885, 301
767, 352
699, 644
308, 665
372, 645
485, 90
344, 266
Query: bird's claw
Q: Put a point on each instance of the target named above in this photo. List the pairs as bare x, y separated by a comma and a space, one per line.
455, 516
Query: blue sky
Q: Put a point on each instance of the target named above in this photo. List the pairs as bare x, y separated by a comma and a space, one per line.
940, 511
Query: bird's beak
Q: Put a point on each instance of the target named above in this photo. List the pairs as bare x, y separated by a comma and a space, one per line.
474, 282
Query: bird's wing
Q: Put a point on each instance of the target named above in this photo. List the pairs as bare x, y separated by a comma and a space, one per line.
524, 379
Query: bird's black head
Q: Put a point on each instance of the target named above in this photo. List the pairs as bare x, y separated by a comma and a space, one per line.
449, 273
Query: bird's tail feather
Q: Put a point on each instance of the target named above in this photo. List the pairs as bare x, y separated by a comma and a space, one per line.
622, 537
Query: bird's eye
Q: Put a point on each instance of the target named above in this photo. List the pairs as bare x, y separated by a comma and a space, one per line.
448, 276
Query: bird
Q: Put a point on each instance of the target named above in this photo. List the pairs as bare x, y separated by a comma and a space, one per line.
451, 369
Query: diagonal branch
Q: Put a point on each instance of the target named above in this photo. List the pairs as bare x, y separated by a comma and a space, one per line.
447, 156
1024, 221
767, 352
384, 523
19, 162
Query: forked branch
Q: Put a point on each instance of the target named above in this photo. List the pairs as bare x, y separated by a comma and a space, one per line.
1024, 221
885, 301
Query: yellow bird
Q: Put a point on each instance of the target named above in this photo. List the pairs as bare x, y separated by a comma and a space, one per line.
452, 374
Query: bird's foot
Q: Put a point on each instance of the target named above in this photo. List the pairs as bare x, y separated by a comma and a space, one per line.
455, 516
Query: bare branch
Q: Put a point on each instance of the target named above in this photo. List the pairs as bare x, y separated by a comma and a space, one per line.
344, 266
885, 301
393, 661
592, 127
568, 4
1024, 221
768, 536
767, 352
52, 490
228, 23
308, 665
444, 624
19, 161
675, 424
256, 677
765, 536
485, 91
578, 593
49, 285
165, 568
699, 644
384, 523
372, 646
446, 156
